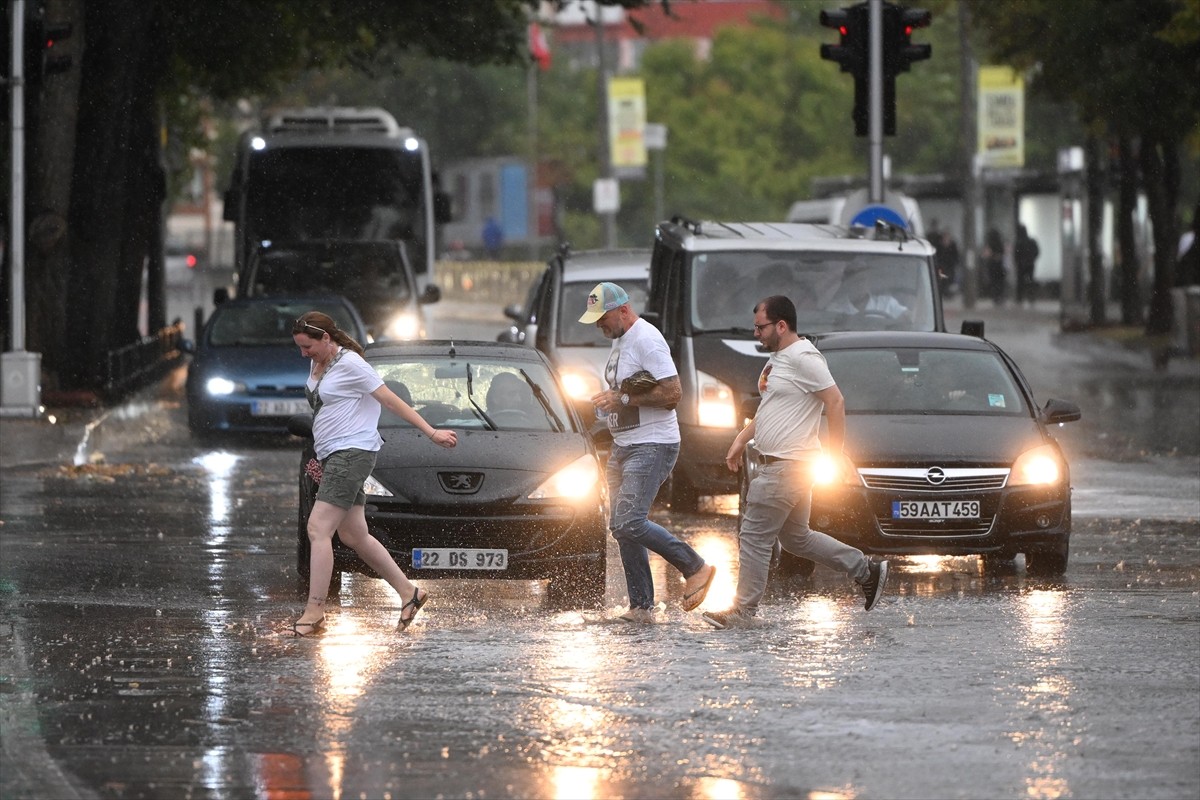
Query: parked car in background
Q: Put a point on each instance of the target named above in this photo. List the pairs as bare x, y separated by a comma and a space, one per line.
520, 497
246, 374
951, 454
549, 319
374, 275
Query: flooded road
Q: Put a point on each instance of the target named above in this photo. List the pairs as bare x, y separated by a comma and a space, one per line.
144, 596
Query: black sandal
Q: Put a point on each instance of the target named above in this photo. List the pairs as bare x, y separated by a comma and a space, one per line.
416, 604
313, 627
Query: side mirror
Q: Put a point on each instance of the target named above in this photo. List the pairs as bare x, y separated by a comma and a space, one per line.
220, 295
513, 312
750, 407
229, 213
300, 425
432, 294
972, 327
1059, 411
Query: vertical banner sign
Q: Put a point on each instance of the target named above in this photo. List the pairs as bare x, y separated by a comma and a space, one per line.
627, 126
1001, 117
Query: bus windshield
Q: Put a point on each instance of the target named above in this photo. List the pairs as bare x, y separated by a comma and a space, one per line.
305, 193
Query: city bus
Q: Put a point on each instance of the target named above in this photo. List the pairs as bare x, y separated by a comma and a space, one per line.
334, 173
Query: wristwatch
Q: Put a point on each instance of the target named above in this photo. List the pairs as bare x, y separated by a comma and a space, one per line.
625, 399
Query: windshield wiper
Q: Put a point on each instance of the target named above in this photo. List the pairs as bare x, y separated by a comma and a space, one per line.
471, 397
541, 398
725, 330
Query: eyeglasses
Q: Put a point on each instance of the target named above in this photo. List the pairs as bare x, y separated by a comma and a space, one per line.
758, 328
299, 326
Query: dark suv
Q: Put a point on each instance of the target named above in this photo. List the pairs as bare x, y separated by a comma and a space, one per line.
705, 278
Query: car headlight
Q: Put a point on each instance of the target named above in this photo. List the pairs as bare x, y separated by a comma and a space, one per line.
828, 471
1040, 466
715, 403
223, 386
577, 480
580, 384
374, 487
405, 325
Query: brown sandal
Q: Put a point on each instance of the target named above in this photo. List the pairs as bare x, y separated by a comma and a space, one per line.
416, 604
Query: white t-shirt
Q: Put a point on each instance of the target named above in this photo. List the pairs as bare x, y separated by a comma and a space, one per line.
788, 422
348, 416
641, 348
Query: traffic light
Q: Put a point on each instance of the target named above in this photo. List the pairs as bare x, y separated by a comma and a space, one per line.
898, 50
55, 59
852, 54
45, 49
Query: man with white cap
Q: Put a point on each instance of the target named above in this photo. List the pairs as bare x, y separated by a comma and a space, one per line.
639, 404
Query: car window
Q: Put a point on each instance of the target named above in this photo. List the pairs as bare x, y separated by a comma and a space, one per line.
571, 332
267, 323
476, 393
358, 272
832, 291
924, 381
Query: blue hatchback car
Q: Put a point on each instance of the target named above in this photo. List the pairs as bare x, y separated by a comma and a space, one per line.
246, 373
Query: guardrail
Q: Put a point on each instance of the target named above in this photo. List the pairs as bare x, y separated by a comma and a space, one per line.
136, 364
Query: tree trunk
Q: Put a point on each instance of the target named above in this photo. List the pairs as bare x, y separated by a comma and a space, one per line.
1155, 166
1096, 173
1131, 290
108, 243
50, 161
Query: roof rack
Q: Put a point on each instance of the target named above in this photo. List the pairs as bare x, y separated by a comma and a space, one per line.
334, 119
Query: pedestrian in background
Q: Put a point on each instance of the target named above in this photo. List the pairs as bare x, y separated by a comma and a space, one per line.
946, 259
1025, 256
994, 272
795, 386
346, 396
645, 447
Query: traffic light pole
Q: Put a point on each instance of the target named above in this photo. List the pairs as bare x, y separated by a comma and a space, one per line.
20, 392
875, 102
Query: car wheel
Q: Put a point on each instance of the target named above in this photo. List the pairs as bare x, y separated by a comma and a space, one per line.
793, 566
998, 563
578, 587
1049, 562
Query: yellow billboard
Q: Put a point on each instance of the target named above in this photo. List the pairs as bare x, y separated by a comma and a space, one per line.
627, 125
1001, 117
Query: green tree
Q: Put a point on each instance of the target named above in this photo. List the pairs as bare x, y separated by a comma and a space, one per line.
98, 180
1133, 72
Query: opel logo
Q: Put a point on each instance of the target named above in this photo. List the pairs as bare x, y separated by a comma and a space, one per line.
461, 482
936, 476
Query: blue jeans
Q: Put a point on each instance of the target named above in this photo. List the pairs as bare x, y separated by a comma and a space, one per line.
635, 473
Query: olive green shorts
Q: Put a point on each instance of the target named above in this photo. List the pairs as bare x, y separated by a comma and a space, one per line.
342, 476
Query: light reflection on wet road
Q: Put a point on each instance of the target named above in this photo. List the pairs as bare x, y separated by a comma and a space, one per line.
158, 670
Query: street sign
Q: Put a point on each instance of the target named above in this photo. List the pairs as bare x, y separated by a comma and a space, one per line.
606, 196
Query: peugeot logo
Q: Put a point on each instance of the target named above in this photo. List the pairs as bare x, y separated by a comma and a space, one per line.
936, 476
461, 482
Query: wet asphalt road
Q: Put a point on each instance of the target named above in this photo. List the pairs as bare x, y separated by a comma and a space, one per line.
143, 597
